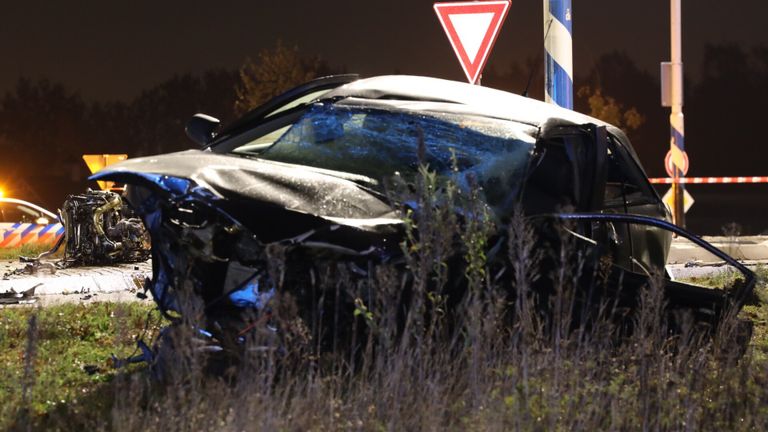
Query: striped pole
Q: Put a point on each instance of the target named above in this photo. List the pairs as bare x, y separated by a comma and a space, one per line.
676, 119
558, 79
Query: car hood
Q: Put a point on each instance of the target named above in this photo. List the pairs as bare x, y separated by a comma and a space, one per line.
343, 198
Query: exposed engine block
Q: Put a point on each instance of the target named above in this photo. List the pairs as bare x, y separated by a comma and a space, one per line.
100, 229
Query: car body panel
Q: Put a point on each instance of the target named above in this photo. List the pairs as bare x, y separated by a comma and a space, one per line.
341, 198
16, 231
216, 217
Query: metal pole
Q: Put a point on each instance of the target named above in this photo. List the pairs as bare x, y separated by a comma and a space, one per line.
558, 64
676, 120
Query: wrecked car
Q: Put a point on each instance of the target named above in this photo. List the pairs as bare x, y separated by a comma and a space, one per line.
95, 228
101, 230
303, 184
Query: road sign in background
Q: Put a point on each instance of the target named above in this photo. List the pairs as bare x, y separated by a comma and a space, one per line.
669, 200
669, 164
97, 162
472, 28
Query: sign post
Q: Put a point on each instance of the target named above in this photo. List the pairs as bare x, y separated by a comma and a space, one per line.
472, 29
672, 96
558, 65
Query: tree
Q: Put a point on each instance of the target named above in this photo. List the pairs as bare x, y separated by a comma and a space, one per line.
156, 119
607, 109
41, 121
623, 85
43, 125
275, 70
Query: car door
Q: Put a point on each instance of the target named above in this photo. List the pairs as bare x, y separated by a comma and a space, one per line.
628, 191
24, 223
567, 169
586, 169
706, 303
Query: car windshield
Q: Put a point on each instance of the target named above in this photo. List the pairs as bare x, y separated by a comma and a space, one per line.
379, 143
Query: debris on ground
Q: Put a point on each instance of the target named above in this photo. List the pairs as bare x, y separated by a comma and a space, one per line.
99, 230
23, 297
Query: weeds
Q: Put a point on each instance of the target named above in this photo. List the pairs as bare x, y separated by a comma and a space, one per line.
422, 351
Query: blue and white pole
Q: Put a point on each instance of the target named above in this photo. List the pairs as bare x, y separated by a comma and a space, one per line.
558, 80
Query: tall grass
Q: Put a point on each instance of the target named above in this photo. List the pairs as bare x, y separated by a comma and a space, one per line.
453, 337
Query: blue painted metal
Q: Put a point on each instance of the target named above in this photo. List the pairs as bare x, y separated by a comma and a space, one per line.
558, 30
559, 84
678, 139
251, 295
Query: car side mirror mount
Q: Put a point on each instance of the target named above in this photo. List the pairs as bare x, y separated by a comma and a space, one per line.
202, 128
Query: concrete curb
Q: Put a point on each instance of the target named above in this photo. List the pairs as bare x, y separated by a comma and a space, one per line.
747, 248
120, 282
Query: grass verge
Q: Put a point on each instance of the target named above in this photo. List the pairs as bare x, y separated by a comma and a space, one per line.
529, 387
28, 250
68, 339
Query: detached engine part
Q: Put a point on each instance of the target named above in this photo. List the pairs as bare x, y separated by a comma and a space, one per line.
100, 229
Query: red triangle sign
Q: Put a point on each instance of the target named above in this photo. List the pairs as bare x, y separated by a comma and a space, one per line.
472, 28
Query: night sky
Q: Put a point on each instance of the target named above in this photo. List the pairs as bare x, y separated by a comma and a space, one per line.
114, 49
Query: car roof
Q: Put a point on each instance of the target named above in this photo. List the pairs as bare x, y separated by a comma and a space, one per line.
479, 100
484, 101
28, 204
474, 99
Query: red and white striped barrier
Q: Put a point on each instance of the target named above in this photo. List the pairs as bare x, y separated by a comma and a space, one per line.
710, 180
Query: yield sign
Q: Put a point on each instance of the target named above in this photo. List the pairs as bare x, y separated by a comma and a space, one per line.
472, 28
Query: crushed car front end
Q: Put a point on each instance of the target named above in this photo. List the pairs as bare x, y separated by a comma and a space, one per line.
229, 235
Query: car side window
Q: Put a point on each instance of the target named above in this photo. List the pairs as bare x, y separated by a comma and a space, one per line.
14, 213
552, 183
625, 184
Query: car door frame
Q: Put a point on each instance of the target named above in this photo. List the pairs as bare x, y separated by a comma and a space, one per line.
265, 111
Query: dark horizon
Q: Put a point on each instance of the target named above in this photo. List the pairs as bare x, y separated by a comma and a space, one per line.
110, 51
130, 53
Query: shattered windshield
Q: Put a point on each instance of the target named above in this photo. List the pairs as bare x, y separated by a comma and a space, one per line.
379, 143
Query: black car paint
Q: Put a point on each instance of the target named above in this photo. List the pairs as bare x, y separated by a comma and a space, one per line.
239, 207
